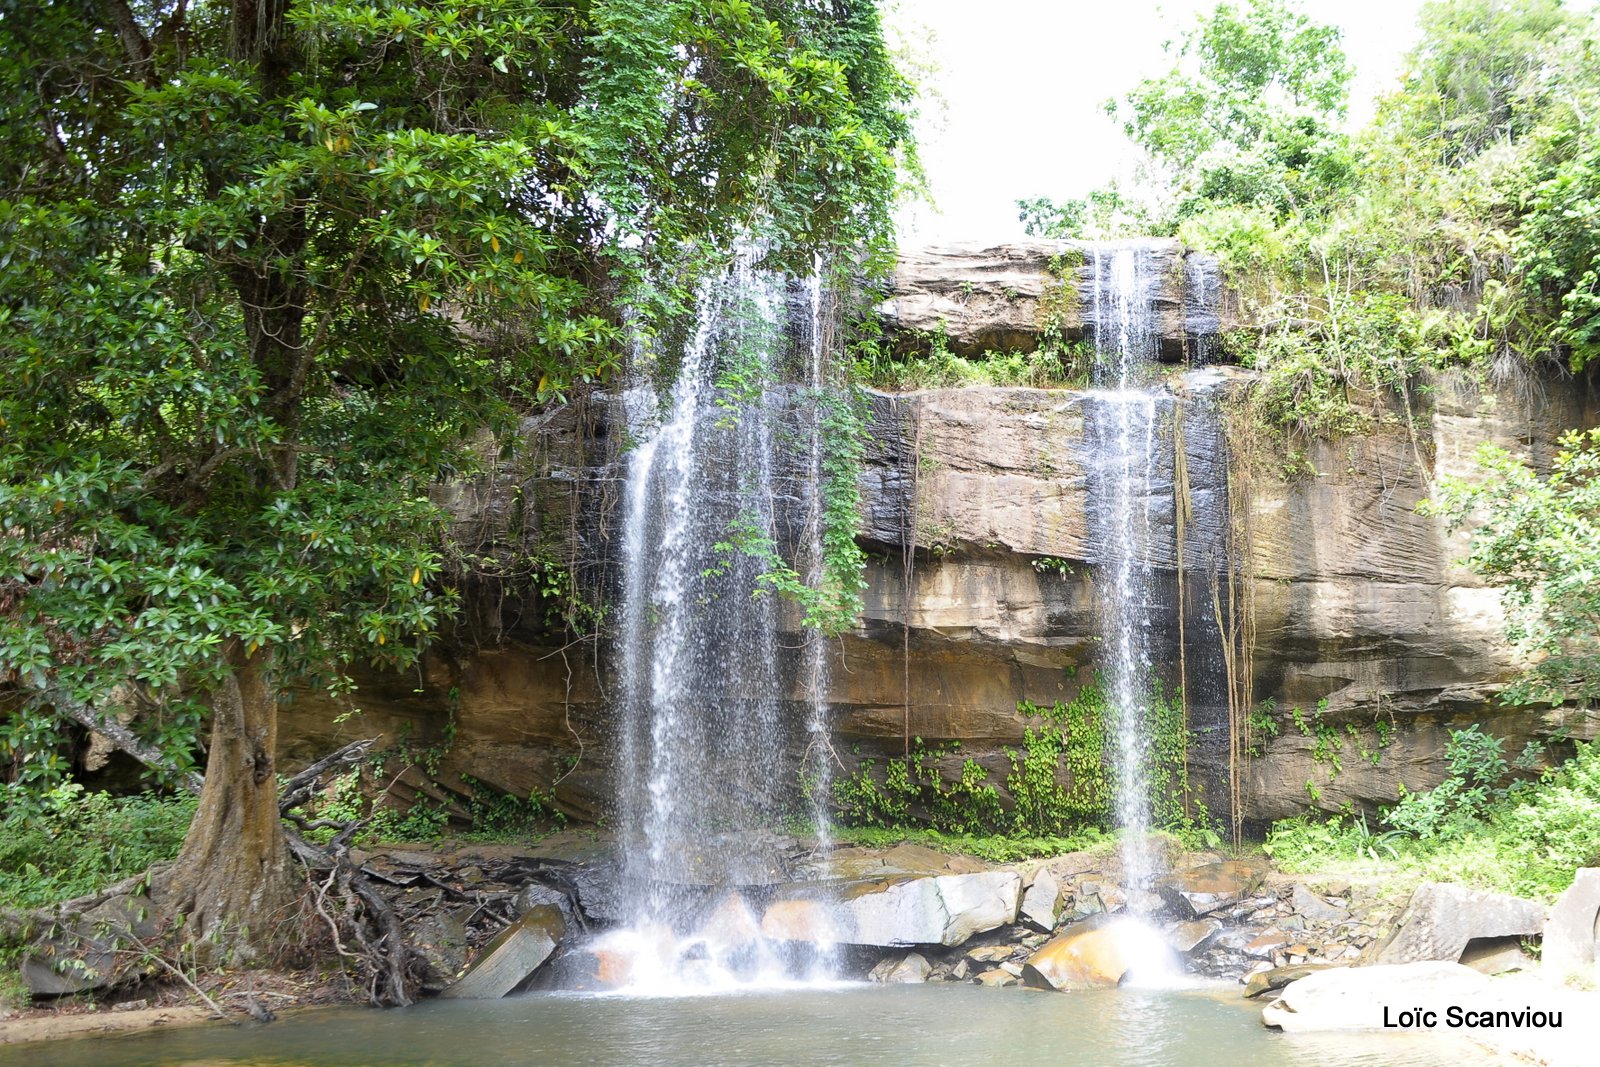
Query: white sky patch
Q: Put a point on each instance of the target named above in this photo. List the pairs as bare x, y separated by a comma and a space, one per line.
1023, 83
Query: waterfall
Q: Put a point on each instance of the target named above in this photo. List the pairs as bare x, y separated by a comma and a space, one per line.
1123, 419
719, 468
1159, 523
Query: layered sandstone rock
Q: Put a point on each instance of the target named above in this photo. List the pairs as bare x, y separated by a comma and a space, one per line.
978, 512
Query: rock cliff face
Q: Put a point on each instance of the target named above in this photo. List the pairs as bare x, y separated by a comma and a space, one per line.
977, 512
1353, 600
1007, 297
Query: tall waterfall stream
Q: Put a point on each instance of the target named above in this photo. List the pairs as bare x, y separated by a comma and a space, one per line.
730, 453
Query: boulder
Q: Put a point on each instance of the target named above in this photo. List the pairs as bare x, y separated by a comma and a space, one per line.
439, 937
538, 895
1572, 934
910, 969
1192, 936
1199, 891
1262, 946
1355, 998
1271, 978
512, 957
1041, 902
990, 953
83, 951
942, 910
1442, 918
1311, 906
1090, 955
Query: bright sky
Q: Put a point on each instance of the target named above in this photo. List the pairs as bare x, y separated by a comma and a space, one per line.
1023, 83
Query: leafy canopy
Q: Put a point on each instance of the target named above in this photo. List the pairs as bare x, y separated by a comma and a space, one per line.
267, 263
1540, 538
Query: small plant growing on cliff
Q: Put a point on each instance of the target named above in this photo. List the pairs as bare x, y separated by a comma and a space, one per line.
1052, 565
1261, 727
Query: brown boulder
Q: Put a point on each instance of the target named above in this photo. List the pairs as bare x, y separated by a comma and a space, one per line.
1086, 956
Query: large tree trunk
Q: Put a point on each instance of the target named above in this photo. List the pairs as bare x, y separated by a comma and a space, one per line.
233, 881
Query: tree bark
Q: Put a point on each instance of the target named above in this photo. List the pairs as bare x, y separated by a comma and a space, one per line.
233, 881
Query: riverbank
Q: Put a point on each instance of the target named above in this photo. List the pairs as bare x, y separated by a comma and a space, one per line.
1234, 919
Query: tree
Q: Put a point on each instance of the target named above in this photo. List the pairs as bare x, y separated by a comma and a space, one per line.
267, 263
1540, 539
1481, 73
1249, 112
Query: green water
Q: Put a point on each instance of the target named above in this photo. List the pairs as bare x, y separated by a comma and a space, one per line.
901, 1025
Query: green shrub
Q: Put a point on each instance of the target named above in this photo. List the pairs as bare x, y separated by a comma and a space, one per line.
78, 841
1527, 838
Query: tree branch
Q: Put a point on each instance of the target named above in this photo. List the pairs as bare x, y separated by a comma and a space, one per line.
298, 789
119, 735
127, 27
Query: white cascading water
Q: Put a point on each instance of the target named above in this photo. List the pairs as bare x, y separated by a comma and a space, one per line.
818, 758
704, 778
1125, 341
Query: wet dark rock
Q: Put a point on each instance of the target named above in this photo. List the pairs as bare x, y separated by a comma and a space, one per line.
1273, 978
440, 939
538, 895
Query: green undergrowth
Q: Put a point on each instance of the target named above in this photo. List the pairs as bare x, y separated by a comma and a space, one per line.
1052, 365
482, 813
996, 848
1526, 838
78, 842
1058, 785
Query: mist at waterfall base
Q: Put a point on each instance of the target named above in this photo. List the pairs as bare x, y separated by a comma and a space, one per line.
724, 474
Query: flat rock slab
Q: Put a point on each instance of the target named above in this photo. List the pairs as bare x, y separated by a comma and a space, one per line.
1278, 977
508, 960
1572, 934
900, 912
1442, 918
1192, 936
1313, 907
1355, 998
1041, 901
1199, 891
